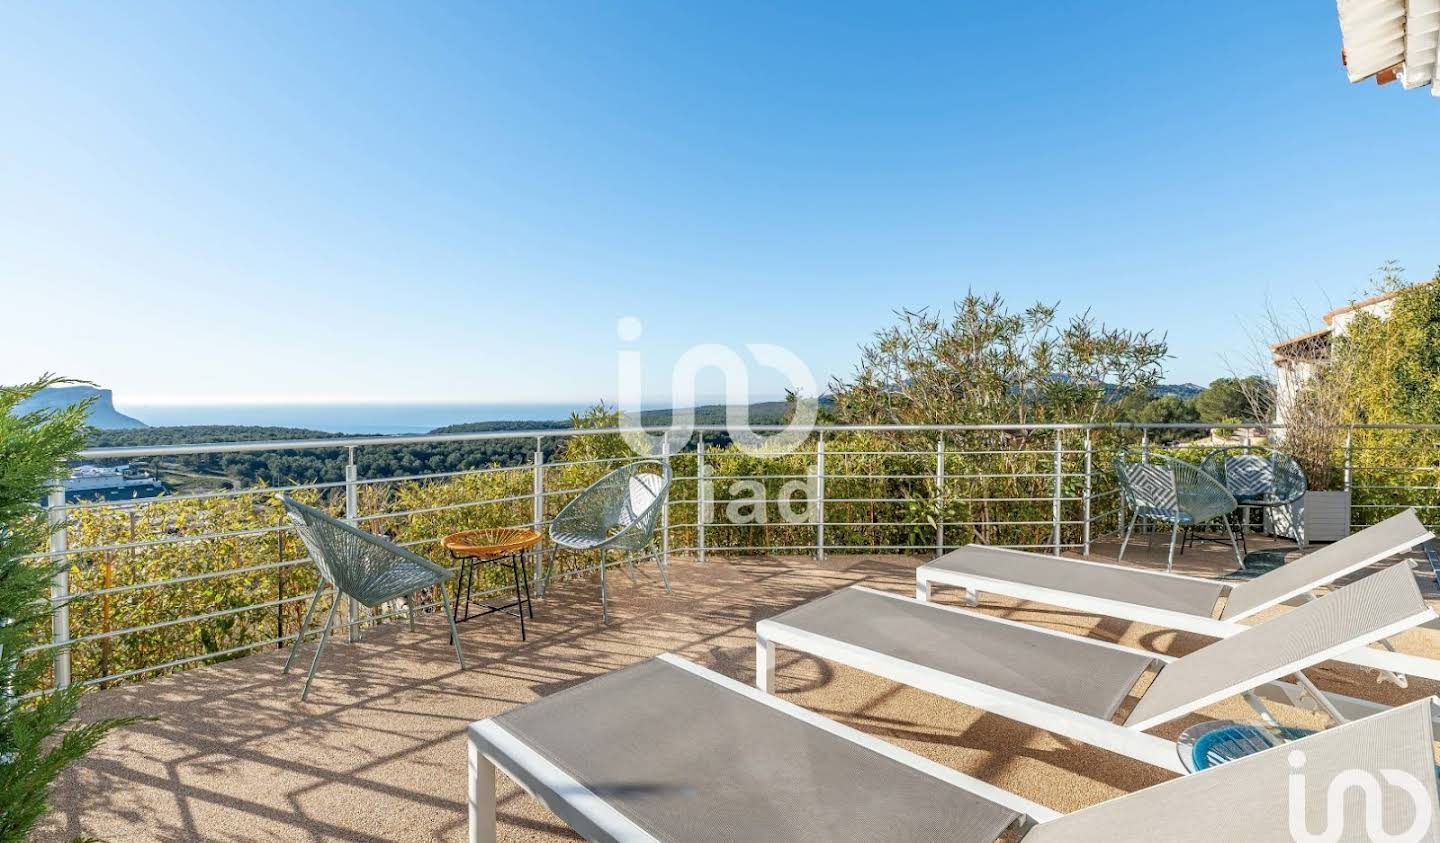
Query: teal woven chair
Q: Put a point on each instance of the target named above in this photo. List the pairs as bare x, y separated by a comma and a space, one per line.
366, 568
1170, 491
617, 512
1261, 477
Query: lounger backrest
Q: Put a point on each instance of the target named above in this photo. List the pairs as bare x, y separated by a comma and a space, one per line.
1373, 608
1251, 799
1393, 535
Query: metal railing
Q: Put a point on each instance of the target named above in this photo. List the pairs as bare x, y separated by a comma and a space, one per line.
159, 584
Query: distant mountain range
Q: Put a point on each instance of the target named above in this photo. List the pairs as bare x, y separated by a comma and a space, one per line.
103, 414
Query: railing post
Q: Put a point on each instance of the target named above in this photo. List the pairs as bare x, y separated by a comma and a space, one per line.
280, 590
352, 512
1089, 488
537, 512
59, 585
940, 496
702, 513
1055, 492
665, 507
1349, 456
537, 486
820, 495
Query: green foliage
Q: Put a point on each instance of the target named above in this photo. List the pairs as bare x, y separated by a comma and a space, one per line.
986, 364
1249, 399
1389, 371
1167, 409
1392, 364
36, 742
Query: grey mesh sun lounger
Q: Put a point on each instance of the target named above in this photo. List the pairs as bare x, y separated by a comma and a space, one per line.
668, 751
1075, 686
1171, 601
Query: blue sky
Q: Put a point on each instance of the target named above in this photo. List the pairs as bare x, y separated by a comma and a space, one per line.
365, 201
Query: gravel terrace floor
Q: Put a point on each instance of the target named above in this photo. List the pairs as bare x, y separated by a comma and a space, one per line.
378, 752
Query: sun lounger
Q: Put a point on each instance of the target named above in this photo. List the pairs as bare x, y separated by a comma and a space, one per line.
668, 751
1206, 607
1075, 686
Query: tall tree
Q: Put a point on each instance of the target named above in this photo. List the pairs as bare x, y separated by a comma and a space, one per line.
987, 364
1241, 399
36, 741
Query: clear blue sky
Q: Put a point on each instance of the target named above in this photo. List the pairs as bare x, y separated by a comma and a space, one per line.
417, 201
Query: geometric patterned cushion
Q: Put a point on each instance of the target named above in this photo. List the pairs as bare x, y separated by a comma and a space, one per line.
1249, 476
1153, 486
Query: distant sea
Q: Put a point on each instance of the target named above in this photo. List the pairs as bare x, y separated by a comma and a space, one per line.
347, 418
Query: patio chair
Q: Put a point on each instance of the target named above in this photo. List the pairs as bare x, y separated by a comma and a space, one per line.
617, 512
1075, 687
1166, 490
363, 567
1172, 601
666, 750
1258, 477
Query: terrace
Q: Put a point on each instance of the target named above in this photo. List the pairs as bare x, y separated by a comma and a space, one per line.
190, 623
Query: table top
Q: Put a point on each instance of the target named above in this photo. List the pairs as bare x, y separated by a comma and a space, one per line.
487, 543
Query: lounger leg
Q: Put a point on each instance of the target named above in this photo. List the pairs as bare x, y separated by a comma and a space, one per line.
454, 633
1128, 530
482, 797
1170, 560
410, 610
320, 648
630, 567
304, 624
922, 589
764, 665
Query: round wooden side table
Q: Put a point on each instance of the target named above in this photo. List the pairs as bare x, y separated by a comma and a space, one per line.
493, 546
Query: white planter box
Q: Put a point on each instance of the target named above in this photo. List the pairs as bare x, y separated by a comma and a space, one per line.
1324, 515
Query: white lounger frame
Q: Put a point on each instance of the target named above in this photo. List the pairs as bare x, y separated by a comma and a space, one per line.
927, 577
1131, 741
515, 756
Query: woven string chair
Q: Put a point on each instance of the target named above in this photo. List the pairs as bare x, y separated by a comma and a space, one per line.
1165, 490
363, 567
1262, 477
617, 512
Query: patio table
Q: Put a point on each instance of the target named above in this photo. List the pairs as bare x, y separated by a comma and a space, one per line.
493, 546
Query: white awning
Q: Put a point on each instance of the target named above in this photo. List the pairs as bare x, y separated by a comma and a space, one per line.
1392, 39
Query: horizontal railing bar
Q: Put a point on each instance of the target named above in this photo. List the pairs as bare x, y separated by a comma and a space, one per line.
346, 442
115, 633
110, 548
200, 496
205, 575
